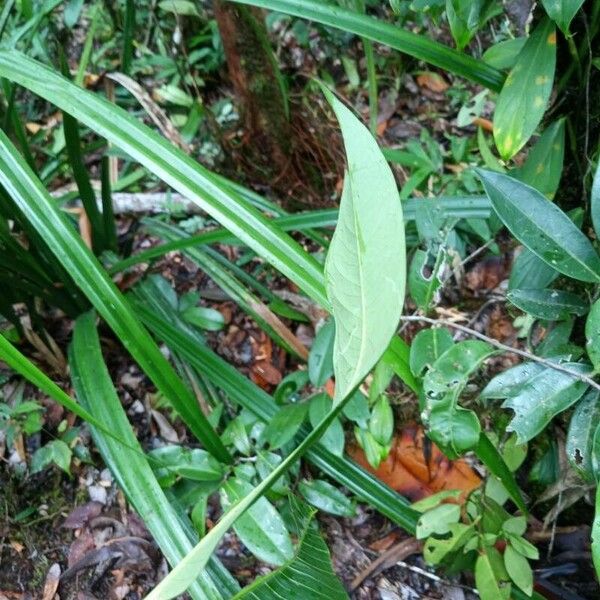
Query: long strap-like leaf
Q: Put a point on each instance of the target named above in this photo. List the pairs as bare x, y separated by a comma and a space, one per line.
40, 210
394, 36
128, 463
174, 167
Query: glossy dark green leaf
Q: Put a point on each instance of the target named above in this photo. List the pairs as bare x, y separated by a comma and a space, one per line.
327, 497
365, 269
542, 397
551, 305
389, 34
528, 270
453, 428
526, 91
562, 12
580, 438
309, 570
542, 227
427, 347
261, 527
42, 212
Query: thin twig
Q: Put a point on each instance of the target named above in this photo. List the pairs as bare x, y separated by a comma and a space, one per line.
504, 347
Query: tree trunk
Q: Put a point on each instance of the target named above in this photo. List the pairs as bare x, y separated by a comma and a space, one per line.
258, 86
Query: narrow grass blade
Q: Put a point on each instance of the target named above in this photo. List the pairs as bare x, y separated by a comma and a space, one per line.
249, 303
132, 472
128, 32
174, 167
418, 46
40, 210
460, 207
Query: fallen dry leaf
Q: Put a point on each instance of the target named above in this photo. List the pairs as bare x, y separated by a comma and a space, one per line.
51, 583
416, 468
432, 81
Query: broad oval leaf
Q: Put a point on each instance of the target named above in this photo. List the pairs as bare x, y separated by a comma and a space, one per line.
524, 96
580, 439
544, 396
551, 305
491, 578
327, 497
454, 429
562, 12
365, 270
542, 227
261, 527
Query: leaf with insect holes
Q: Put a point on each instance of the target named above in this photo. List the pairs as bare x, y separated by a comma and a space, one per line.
542, 397
526, 91
365, 269
453, 428
562, 12
541, 226
580, 438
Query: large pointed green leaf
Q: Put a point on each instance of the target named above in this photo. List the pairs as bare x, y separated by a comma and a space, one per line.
247, 394
172, 166
349, 272
41, 211
127, 462
307, 576
542, 227
524, 96
389, 34
562, 12
365, 269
